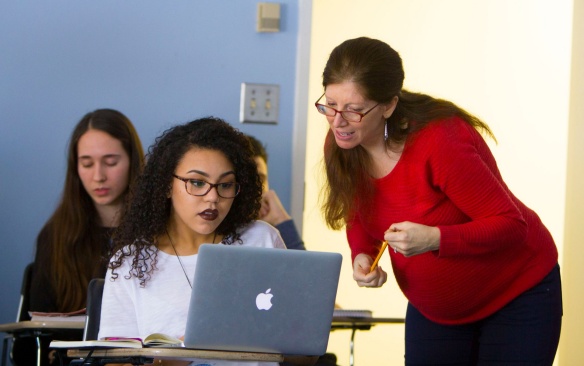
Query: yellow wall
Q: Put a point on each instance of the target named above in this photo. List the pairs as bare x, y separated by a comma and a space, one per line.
506, 61
572, 350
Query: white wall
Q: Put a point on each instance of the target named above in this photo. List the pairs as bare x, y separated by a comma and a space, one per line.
506, 61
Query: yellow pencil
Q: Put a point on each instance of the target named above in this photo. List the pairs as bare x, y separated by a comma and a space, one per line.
383, 246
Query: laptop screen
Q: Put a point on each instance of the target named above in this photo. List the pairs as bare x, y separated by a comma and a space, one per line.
262, 300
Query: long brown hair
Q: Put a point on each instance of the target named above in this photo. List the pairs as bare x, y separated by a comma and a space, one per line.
378, 70
73, 230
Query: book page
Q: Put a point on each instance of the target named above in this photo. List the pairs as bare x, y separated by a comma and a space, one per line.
162, 340
122, 343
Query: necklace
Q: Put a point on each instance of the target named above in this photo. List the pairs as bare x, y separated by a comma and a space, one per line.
178, 257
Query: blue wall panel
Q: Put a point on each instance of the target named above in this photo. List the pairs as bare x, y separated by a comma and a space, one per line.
159, 62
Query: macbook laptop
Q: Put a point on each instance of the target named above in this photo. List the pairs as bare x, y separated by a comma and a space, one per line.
262, 300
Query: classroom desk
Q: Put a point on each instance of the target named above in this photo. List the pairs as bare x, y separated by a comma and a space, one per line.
37, 329
184, 354
360, 323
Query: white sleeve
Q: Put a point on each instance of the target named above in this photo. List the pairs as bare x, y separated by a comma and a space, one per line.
278, 241
261, 234
118, 308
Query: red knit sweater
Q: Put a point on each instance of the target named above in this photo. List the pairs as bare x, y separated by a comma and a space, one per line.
492, 247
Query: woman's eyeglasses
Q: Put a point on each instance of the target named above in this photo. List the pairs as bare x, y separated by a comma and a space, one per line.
348, 116
197, 187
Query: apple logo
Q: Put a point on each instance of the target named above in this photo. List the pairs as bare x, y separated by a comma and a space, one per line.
264, 300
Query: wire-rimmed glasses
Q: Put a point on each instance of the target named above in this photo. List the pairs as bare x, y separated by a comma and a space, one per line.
198, 187
348, 116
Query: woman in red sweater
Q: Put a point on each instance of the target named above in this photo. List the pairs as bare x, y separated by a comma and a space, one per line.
478, 267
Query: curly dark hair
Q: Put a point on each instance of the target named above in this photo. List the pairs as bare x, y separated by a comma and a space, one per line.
149, 209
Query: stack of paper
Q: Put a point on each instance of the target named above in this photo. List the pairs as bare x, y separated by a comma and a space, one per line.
74, 316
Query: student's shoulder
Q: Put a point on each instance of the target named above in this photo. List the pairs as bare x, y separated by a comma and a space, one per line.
138, 245
258, 227
130, 251
260, 233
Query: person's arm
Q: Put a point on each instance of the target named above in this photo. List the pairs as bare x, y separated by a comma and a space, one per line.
364, 249
118, 312
472, 210
290, 235
274, 213
463, 167
359, 241
363, 275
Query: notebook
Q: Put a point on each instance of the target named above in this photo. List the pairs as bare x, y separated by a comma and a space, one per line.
262, 300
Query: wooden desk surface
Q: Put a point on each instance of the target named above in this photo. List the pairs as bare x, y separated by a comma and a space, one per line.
28, 325
338, 323
190, 354
187, 354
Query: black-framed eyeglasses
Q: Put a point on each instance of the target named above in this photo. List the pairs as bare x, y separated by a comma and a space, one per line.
198, 187
349, 116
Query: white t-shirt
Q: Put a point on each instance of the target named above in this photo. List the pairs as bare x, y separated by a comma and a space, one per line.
129, 310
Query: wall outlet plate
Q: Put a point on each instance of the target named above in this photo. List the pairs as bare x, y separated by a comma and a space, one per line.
260, 103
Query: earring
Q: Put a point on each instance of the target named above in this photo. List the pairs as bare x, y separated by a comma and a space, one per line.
385, 136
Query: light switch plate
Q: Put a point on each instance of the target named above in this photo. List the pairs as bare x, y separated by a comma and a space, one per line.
259, 103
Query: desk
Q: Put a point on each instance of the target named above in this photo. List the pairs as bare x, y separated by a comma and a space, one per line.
364, 323
37, 329
186, 354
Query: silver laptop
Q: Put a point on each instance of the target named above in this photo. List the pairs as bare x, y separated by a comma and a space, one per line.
262, 300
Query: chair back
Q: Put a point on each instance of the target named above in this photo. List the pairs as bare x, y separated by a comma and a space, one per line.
94, 295
24, 305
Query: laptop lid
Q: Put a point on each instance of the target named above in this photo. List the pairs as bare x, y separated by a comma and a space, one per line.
262, 300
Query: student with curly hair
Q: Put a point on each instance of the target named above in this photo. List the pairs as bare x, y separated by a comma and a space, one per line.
200, 185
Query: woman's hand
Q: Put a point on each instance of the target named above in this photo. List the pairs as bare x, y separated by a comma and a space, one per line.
272, 210
410, 239
361, 274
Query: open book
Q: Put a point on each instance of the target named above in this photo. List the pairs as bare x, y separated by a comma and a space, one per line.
74, 316
153, 340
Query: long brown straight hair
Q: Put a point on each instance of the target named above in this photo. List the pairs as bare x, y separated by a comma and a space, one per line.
73, 230
377, 69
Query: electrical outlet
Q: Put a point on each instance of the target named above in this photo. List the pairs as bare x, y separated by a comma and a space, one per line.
259, 103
